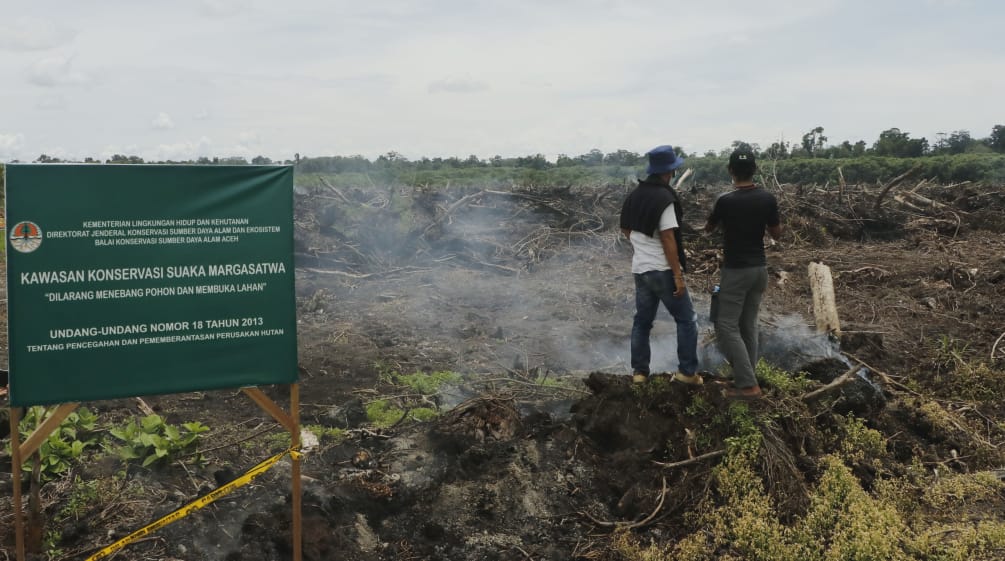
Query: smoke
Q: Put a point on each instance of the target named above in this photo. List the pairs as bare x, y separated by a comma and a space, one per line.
508, 289
788, 342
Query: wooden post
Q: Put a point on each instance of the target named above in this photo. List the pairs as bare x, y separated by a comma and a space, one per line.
295, 460
824, 307
35, 525
291, 421
20, 451
16, 461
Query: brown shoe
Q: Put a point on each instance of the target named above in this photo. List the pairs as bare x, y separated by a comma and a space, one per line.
639, 378
752, 393
690, 379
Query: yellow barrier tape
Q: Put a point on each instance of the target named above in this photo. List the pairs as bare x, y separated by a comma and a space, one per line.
195, 505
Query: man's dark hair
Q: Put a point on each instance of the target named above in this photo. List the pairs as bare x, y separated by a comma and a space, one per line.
742, 165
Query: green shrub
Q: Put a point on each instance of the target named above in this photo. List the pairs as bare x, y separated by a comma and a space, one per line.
65, 445
382, 414
152, 440
423, 414
955, 492
428, 384
743, 522
785, 382
859, 442
747, 435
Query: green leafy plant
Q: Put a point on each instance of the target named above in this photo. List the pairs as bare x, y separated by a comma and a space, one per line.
65, 445
152, 440
83, 496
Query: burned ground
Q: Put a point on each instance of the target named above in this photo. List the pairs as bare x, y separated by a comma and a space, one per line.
524, 439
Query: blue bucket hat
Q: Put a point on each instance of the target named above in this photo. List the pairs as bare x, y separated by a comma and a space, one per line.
663, 159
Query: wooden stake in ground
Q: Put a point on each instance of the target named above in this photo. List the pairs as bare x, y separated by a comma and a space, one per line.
824, 306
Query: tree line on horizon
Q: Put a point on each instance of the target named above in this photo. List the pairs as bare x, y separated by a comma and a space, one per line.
892, 142
952, 157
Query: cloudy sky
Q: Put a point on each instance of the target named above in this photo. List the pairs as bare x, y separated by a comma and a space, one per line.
190, 78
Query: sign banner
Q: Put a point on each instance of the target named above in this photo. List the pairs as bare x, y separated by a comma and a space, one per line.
139, 280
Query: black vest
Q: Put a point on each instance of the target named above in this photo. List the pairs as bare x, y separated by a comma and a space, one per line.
645, 204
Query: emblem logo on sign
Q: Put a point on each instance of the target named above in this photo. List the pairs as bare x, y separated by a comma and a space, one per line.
25, 236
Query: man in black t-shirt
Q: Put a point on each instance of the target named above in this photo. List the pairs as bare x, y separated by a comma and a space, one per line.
744, 214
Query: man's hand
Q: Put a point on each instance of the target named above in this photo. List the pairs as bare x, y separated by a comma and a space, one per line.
681, 289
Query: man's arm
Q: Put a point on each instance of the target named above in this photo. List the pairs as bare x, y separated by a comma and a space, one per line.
627, 232
713, 218
669, 243
775, 231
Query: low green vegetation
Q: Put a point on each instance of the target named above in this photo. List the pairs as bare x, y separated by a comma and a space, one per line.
332, 434
858, 502
382, 414
961, 377
427, 383
740, 520
58, 452
785, 382
420, 406
153, 441
857, 442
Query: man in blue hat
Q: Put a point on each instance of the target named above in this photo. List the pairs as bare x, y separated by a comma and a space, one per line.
651, 220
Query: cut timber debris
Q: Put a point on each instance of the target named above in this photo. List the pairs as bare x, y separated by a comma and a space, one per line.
841, 380
893, 183
824, 306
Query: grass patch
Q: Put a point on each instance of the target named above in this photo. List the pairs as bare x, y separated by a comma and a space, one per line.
785, 382
382, 414
424, 414
333, 434
428, 384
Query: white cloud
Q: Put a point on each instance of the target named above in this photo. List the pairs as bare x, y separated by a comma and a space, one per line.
184, 150
162, 122
53, 102
10, 145
225, 8
32, 34
320, 77
56, 71
458, 84
249, 144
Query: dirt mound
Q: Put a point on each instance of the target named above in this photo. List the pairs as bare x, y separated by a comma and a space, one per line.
487, 482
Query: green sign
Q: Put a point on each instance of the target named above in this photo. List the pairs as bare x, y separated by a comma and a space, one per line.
138, 280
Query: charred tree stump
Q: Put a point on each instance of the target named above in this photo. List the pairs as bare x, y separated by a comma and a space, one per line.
824, 306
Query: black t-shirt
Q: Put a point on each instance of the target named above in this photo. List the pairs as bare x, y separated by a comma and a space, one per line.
744, 213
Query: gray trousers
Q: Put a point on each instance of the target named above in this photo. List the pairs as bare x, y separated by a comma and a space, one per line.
740, 292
